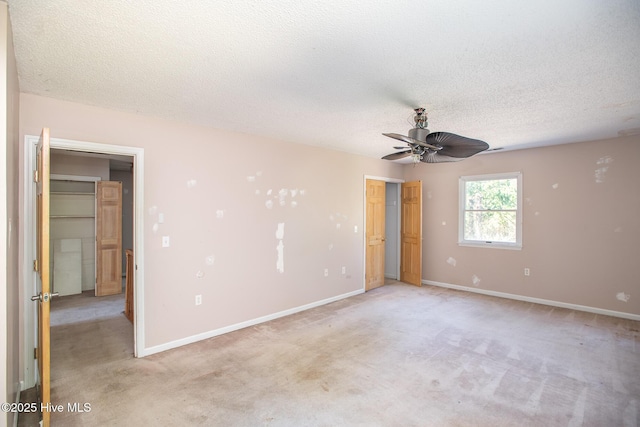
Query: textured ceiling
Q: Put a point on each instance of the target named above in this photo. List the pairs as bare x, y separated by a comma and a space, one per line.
338, 73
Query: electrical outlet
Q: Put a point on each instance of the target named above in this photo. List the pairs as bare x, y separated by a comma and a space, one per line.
527, 272
198, 299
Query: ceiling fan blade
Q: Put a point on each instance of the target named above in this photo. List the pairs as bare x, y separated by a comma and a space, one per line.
396, 156
436, 157
411, 141
456, 146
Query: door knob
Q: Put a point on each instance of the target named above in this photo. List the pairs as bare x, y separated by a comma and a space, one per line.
44, 297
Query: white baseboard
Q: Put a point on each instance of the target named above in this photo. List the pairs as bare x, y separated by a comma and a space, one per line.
214, 333
588, 309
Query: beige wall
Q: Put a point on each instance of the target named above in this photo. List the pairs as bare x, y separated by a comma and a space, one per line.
10, 295
64, 164
221, 194
581, 225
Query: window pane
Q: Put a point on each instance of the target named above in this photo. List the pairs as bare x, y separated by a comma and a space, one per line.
497, 194
490, 226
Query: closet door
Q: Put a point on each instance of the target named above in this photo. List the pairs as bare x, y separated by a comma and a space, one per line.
108, 238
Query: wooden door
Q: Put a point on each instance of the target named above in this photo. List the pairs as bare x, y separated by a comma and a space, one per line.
375, 234
108, 238
411, 234
41, 266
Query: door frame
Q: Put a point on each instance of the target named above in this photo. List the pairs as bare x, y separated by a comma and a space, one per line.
29, 247
364, 222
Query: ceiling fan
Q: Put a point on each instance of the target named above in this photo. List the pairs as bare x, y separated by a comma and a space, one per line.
434, 147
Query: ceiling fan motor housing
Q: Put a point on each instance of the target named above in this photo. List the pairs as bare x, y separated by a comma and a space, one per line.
419, 133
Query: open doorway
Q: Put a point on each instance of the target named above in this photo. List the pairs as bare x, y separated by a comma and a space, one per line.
133, 157
85, 267
393, 231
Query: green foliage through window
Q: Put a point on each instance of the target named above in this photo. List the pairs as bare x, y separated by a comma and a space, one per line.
490, 212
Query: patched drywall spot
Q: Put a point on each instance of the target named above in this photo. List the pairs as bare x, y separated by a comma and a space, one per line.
282, 196
555, 186
294, 192
303, 192
251, 178
191, 183
476, 280
330, 246
269, 192
621, 296
155, 227
452, 261
537, 213
258, 192
220, 214
269, 204
200, 274
280, 260
617, 230
444, 222
210, 260
294, 204
528, 200
338, 226
602, 168
125, 190
280, 247
429, 195
259, 173
153, 210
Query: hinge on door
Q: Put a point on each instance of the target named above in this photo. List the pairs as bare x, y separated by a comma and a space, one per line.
35, 352
35, 265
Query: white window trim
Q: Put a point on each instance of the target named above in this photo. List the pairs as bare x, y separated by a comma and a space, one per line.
461, 203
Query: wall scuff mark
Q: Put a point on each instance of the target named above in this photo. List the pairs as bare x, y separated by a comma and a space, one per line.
621, 296
452, 261
280, 247
602, 169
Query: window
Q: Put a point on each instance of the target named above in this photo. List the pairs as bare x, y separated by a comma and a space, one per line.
491, 210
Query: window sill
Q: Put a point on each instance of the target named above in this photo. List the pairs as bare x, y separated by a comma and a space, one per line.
492, 245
